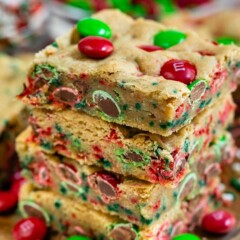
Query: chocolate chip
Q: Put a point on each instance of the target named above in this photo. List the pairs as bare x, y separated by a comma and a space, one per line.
66, 95
197, 91
106, 103
196, 217
81, 86
47, 73
35, 128
43, 174
72, 187
201, 165
106, 188
33, 212
133, 157
167, 175
39, 82
212, 171
123, 233
68, 173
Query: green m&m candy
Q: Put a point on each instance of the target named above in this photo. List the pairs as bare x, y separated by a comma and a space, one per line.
83, 4
78, 238
93, 27
226, 40
186, 236
235, 182
169, 38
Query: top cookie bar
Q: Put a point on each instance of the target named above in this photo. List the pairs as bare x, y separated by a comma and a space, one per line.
137, 73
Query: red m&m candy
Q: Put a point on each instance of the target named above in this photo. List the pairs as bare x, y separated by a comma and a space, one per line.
8, 200
179, 70
17, 181
30, 229
218, 222
95, 47
190, 3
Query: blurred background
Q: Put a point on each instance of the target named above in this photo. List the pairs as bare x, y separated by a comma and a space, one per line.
29, 25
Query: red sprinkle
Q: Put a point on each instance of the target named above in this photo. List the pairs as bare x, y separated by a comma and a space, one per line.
150, 48
179, 70
30, 229
95, 47
8, 201
219, 222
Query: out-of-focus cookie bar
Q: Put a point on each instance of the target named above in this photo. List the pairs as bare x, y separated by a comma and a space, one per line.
13, 114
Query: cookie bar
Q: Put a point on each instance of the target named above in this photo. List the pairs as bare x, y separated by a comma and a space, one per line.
128, 151
13, 115
70, 218
222, 26
132, 199
157, 88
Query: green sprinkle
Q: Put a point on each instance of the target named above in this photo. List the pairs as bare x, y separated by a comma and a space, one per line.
186, 145
237, 65
114, 207
54, 44
46, 145
58, 128
163, 125
83, 176
138, 106
106, 163
154, 83
81, 104
121, 84
151, 124
58, 204
157, 216
201, 183
63, 189
154, 105
76, 143
125, 107
146, 221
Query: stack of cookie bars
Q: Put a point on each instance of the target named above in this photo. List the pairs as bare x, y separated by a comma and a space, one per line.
129, 146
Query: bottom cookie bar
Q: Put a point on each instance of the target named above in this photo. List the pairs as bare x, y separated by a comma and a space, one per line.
134, 200
70, 218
